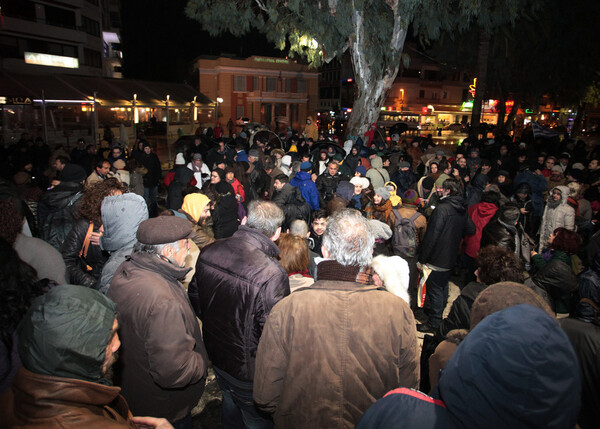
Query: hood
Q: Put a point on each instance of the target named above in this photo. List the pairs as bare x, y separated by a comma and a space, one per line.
65, 333
486, 210
348, 146
121, 216
345, 190
303, 176
376, 162
515, 369
564, 190
309, 118
441, 179
480, 180
182, 174
457, 201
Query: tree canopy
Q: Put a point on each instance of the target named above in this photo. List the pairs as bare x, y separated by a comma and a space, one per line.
373, 31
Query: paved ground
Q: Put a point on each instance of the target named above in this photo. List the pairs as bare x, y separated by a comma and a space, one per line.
207, 414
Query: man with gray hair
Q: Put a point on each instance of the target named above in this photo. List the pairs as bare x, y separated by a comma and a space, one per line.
164, 361
330, 351
237, 283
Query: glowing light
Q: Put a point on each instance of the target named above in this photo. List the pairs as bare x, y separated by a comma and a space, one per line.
473, 87
467, 105
51, 60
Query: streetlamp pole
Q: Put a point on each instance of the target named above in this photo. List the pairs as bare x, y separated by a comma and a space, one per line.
219, 100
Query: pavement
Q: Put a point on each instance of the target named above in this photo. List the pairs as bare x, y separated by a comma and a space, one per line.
207, 414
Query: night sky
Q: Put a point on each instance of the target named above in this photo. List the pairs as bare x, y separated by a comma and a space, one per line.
160, 42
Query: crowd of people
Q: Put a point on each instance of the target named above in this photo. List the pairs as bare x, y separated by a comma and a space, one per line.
312, 267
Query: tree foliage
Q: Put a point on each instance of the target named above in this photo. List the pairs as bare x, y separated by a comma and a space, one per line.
373, 31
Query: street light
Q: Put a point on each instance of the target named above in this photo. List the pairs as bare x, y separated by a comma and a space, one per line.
219, 100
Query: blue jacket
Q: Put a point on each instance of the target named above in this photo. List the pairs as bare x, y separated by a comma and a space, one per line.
538, 185
308, 189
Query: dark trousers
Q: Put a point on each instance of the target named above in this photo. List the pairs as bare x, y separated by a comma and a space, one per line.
437, 290
239, 411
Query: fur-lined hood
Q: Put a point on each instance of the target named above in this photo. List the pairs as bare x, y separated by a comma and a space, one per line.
394, 272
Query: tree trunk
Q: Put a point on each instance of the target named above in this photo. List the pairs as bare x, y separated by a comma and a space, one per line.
500, 130
510, 119
577, 123
483, 55
372, 82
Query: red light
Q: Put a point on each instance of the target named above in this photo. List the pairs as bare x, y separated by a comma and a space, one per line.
509, 103
349, 79
424, 110
348, 110
388, 138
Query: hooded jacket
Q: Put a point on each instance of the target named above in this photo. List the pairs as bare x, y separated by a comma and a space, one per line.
448, 224
308, 189
538, 185
290, 200
516, 369
554, 282
561, 216
62, 344
480, 214
121, 216
163, 362
377, 174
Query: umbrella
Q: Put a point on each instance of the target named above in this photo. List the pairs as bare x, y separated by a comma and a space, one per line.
398, 128
267, 136
324, 144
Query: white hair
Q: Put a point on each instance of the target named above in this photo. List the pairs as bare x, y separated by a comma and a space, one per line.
349, 239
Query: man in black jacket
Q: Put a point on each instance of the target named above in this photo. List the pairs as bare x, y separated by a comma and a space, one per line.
150, 160
448, 224
328, 182
290, 200
237, 283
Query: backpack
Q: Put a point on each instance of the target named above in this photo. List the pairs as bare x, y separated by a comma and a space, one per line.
404, 240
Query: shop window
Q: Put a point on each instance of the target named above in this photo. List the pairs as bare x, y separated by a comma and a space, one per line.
301, 85
271, 84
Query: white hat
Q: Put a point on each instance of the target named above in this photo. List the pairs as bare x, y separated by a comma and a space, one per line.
179, 159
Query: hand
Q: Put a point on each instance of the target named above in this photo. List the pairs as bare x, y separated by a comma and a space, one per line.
95, 237
533, 253
523, 211
151, 423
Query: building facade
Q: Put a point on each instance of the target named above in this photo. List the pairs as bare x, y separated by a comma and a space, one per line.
67, 37
276, 92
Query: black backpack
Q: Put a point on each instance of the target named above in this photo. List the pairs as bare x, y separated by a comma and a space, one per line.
404, 240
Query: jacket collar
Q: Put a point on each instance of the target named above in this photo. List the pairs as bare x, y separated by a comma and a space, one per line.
334, 271
256, 239
155, 264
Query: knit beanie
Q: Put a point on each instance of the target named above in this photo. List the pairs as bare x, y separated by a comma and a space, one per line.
410, 198
383, 193
179, 159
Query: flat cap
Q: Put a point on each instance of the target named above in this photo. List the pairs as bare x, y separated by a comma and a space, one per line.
163, 230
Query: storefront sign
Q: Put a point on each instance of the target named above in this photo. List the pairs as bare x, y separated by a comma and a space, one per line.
15, 100
271, 60
51, 60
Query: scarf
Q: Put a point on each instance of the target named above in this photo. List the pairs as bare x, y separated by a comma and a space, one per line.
333, 270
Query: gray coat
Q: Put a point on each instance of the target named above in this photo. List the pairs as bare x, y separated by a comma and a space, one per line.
121, 216
561, 216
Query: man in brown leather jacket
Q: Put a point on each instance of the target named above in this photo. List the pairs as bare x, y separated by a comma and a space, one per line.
328, 351
68, 344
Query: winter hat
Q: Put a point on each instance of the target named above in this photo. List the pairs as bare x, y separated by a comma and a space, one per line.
306, 166
578, 166
504, 173
345, 190
440, 152
194, 204
146, 144
361, 169
356, 181
163, 230
383, 193
403, 165
286, 160
72, 173
180, 160
277, 151
338, 157
380, 230
241, 156
410, 198
197, 156
502, 295
557, 169
394, 272
253, 152
428, 183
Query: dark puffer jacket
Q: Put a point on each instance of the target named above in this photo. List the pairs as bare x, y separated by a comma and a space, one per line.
56, 212
555, 282
237, 283
183, 176
95, 258
448, 224
290, 200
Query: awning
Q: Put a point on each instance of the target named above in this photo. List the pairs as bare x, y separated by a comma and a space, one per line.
58, 89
